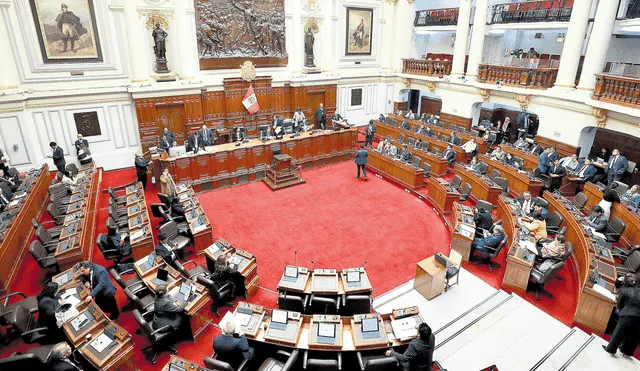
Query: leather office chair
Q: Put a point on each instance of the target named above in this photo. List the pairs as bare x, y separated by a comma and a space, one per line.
568, 250
465, 191
46, 239
54, 231
494, 173
161, 339
622, 187
474, 133
218, 365
416, 160
58, 189
483, 167
486, 205
221, 293
455, 181
435, 151
401, 138
614, 229
119, 218
170, 230
356, 304
197, 270
411, 141
183, 226
292, 302
456, 259
490, 253
113, 225
35, 359
554, 223
108, 254
629, 265
579, 200
274, 364
120, 211
60, 199
165, 199
159, 211
321, 364
62, 209
44, 259
323, 305
374, 361
120, 200
539, 278
502, 183
143, 304
541, 201
424, 146
19, 299
133, 283
427, 169
23, 323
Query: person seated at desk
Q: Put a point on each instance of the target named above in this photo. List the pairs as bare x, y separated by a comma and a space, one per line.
65, 178
470, 147
526, 202
176, 207
536, 149
449, 154
381, 118
427, 131
419, 353
410, 115
335, 118
230, 343
392, 150
491, 240
278, 127
537, 226
166, 312
557, 172
4, 199
405, 125
225, 272
553, 249
483, 220
96, 278
400, 113
538, 209
474, 165
424, 118
238, 134
454, 139
609, 196
597, 220
586, 172
118, 241
432, 120
570, 162
511, 161
522, 143
58, 359
498, 154
13, 183
382, 146
419, 128
405, 155
48, 303
418, 143
633, 195
168, 137
194, 143
165, 250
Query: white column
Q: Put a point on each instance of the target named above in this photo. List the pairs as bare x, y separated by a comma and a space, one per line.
572, 47
9, 78
402, 35
296, 55
596, 56
462, 34
477, 37
386, 57
183, 31
138, 63
328, 38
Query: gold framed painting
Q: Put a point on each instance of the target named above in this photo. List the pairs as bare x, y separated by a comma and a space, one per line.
359, 31
67, 31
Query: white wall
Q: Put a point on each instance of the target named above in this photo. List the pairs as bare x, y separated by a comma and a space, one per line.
373, 102
624, 50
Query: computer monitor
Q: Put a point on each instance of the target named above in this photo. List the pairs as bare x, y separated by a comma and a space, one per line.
163, 274
327, 329
290, 271
370, 325
151, 259
353, 276
177, 151
185, 289
279, 316
193, 213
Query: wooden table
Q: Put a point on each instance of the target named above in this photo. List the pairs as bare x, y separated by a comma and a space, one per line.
442, 195
518, 182
463, 230
247, 265
140, 230
227, 165
438, 163
481, 187
327, 282
384, 130
199, 225
407, 175
17, 233
430, 277
530, 160
631, 234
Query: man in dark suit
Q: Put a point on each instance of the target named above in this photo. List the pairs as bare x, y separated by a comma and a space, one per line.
231, 344
427, 131
526, 202
405, 154
58, 359
504, 131
491, 240
278, 126
405, 124
454, 139
165, 310
483, 221
102, 289
556, 172
597, 220
118, 241
370, 132
194, 143
58, 157
553, 155
81, 153
419, 353
206, 136
538, 209
360, 159
321, 117
626, 336
4, 199
586, 172
616, 167
336, 117
141, 169
449, 154
522, 144
168, 136
165, 250
536, 149
543, 161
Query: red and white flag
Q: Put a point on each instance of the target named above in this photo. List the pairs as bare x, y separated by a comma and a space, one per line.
250, 101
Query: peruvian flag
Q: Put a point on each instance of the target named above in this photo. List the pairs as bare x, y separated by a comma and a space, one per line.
250, 101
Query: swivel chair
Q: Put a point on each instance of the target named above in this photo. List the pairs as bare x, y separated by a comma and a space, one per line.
614, 229
539, 278
222, 293
34, 359
323, 305
44, 259
161, 339
321, 364
356, 304
374, 361
489, 253
292, 302
289, 359
465, 191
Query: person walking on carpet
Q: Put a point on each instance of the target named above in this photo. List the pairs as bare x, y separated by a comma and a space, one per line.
361, 160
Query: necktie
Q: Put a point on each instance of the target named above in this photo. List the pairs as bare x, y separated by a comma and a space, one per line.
581, 173
4, 200
613, 162
593, 219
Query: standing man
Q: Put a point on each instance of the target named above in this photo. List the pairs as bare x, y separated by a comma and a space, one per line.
82, 150
557, 172
141, 169
298, 119
194, 143
96, 278
505, 131
57, 154
167, 185
626, 336
616, 166
205, 135
543, 161
369, 133
361, 160
278, 127
321, 117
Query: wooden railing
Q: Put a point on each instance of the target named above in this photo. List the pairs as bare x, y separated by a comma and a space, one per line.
620, 90
633, 11
436, 17
532, 11
426, 67
522, 77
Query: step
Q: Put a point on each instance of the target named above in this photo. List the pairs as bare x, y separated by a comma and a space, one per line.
563, 352
594, 358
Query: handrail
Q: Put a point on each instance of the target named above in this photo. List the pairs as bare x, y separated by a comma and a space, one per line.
532, 11
436, 17
427, 67
621, 90
523, 77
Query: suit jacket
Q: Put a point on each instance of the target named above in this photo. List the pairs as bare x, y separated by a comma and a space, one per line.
166, 254
47, 312
101, 283
543, 163
370, 130
619, 166
520, 201
506, 130
599, 223
405, 155
405, 125
361, 157
58, 157
558, 170
537, 150
166, 312
554, 156
141, 165
589, 172
629, 302
169, 137
164, 143
455, 140
321, 115
418, 356
449, 155
477, 167
191, 143
483, 221
225, 346
78, 142
206, 136
113, 243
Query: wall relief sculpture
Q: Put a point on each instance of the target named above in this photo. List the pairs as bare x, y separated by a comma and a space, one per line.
232, 31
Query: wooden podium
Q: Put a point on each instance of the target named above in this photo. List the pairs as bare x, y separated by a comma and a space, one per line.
282, 174
430, 278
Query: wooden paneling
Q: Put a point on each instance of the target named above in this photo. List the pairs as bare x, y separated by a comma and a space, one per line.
213, 107
309, 98
430, 105
449, 119
480, 188
562, 148
518, 182
404, 174
400, 106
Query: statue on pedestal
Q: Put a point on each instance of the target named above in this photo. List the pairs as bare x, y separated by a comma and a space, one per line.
159, 37
309, 40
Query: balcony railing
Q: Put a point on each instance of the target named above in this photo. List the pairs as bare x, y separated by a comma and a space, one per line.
518, 76
532, 11
426, 67
436, 17
620, 90
633, 11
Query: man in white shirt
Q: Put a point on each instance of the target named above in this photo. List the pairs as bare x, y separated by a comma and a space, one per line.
470, 146
526, 202
410, 115
570, 162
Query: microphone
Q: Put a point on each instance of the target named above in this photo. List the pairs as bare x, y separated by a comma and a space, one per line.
360, 268
314, 263
295, 258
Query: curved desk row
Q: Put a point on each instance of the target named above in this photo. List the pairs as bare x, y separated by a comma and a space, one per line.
139, 223
438, 163
199, 224
530, 160
405, 174
518, 182
631, 234
384, 130
482, 188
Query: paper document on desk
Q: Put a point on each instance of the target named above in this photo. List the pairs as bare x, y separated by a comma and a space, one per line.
243, 319
529, 246
200, 228
599, 235
466, 230
13, 203
101, 343
79, 321
405, 328
604, 292
137, 234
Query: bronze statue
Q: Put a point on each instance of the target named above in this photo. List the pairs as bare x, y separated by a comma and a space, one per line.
309, 40
160, 50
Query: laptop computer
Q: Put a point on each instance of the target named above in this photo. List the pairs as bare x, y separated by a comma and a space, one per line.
150, 262
185, 292
290, 274
353, 279
279, 319
326, 333
370, 328
161, 277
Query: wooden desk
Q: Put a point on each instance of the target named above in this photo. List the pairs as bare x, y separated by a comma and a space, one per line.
530, 160
227, 165
383, 130
359, 342
17, 232
631, 234
184, 363
329, 282
442, 195
463, 230
430, 277
518, 182
199, 224
140, 230
481, 187
246, 263
438, 163
409, 176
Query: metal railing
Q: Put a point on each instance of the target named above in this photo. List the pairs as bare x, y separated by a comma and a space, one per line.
436, 17
532, 11
633, 10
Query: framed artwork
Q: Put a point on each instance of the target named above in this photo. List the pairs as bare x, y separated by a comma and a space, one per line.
87, 123
359, 31
356, 97
67, 31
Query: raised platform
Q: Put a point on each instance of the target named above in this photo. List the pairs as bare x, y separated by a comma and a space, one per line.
282, 180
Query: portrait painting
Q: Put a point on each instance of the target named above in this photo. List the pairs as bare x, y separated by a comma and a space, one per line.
359, 31
67, 30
